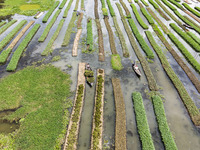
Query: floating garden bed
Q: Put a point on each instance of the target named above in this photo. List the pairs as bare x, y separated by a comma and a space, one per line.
48, 14
18, 52
5, 27
144, 2
48, 48
62, 4
89, 40
2, 23
128, 14
142, 123
177, 4
169, 5
9, 37
120, 122
116, 62
112, 12
49, 26
146, 15
191, 9
75, 45
194, 37
67, 9
197, 8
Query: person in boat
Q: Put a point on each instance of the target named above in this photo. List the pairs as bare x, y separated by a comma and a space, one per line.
77, 13
88, 67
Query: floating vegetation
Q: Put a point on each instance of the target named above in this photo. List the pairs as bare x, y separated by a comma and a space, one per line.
67, 9
191, 9
177, 4
194, 37
89, 35
112, 12
146, 15
55, 58
62, 4
116, 62
2, 23
128, 14
5, 27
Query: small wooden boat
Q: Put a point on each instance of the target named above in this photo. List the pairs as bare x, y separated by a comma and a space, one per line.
89, 74
136, 69
187, 26
38, 15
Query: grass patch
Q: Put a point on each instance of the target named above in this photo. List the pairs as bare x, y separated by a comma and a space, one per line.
112, 12
147, 16
191, 107
49, 26
89, 35
139, 19
62, 4
186, 37
128, 14
116, 62
43, 113
48, 14
69, 30
18, 52
67, 9
191, 9
48, 48
140, 39
2, 23
166, 135
194, 37
5, 27
9, 37
185, 52
105, 12
142, 123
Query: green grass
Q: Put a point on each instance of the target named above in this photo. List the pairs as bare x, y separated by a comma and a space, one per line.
142, 123
147, 16
194, 37
42, 106
191, 9
9, 37
177, 4
154, 4
2, 23
48, 48
186, 37
169, 5
190, 105
20, 49
139, 19
105, 12
69, 30
116, 62
5, 27
49, 26
89, 35
140, 39
185, 52
112, 12
144, 2
67, 9
62, 4
48, 14
166, 135
197, 8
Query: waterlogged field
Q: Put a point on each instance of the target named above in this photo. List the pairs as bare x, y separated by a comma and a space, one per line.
46, 102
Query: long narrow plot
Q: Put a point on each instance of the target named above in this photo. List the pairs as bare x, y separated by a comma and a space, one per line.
89, 35
73, 126
120, 127
67, 9
2, 23
18, 52
5, 27
97, 127
4, 55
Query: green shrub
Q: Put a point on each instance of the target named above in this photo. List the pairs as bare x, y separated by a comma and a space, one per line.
185, 52
177, 4
197, 8
2, 23
194, 37
154, 4
166, 135
139, 19
9, 37
191, 9
140, 39
116, 62
142, 123
169, 5
62, 4
5, 27
20, 49
144, 2
147, 16
53, 38
105, 12
48, 14
112, 12
89, 35
67, 9
187, 38
49, 26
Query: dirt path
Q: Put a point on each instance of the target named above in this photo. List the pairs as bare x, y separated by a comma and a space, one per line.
120, 127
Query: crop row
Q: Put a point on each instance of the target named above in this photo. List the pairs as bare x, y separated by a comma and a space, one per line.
140, 39
67, 9
146, 15
177, 4
194, 37
2, 23
76, 6
192, 21
112, 12
97, 117
139, 19
9, 37
197, 8
80, 18
48, 14
185, 52
53, 38
82, 4
153, 4
166, 135
89, 35
186, 37
128, 14
169, 5
49, 26
5, 27
150, 78
144, 2
142, 123
105, 11
18, 52
116, 62
191, 107
62, 4
191, 10
103, 4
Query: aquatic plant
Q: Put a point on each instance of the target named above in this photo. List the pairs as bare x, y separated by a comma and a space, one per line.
142, 123
49, 26
147, 16
112, 12
67, 9
48, 48
191, 9
9, 37
62, 4
116, 62
89, 35
48, 14
20, 49
139, 19
5, 27
186, 37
